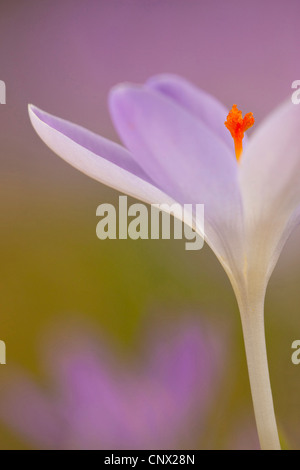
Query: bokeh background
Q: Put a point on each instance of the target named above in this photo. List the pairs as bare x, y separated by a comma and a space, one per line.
64, 56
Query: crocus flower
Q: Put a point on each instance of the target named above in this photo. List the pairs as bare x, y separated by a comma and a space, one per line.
243, 436
178, 150
93, 401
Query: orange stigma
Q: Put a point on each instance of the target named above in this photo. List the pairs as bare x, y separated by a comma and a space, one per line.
237, 125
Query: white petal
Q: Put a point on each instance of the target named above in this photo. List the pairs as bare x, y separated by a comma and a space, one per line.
73, 144
270, 184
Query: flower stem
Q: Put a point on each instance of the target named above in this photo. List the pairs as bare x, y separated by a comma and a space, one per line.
255, 344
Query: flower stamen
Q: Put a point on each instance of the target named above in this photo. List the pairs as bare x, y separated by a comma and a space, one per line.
237, 126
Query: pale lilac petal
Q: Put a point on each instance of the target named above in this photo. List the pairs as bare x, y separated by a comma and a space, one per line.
270, 183
95, 156
270, 167
202, 105
183, 156
176, 151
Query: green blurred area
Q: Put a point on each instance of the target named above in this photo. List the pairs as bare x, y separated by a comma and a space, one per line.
53, 267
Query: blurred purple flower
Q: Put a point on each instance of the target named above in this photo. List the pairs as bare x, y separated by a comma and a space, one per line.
93, 403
